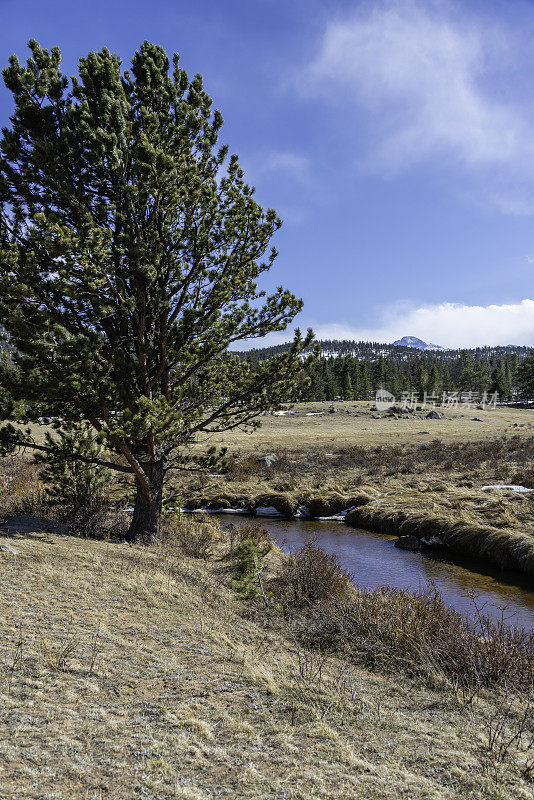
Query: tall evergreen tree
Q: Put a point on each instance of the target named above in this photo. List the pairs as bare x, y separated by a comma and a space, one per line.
525, 376
435, 381
421, 377
498, 382
364, 381
130, 246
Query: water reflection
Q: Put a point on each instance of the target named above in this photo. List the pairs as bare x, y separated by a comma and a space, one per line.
373, 560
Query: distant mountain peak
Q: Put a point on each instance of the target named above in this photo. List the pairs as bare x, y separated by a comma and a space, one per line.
414, 341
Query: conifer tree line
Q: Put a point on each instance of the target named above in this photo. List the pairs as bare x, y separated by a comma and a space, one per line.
352, 377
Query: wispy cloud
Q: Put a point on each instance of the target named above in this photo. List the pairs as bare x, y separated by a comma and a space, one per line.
424, 73
280, 164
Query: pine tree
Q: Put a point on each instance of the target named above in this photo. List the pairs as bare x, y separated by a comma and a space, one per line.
130, 246
394, 381
379, 373
347, 388
468, 376
421, 377
525, 376
364, 381
435, 382
446, 379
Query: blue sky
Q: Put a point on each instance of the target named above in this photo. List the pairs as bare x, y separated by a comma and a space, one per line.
395, 139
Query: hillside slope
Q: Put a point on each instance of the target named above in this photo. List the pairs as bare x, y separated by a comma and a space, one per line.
129, 672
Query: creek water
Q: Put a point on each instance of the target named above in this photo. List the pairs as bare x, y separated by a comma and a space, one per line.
372, 560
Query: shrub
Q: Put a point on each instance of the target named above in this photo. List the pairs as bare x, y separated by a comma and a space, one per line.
21, 490
95, 521
248, 569
418, 633
311, 576
194, 537
249, 529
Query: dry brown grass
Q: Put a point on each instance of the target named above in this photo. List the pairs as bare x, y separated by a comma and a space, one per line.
130, 672
354, 424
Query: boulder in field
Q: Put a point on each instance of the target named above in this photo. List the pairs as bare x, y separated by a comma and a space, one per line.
433, 414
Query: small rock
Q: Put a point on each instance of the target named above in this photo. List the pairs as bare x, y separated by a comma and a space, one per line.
376, 416
477, 419
433, 414
408, 543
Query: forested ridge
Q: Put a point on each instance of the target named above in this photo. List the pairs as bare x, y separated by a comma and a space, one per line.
356, 370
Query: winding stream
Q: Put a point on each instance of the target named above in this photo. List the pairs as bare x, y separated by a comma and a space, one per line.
373, 560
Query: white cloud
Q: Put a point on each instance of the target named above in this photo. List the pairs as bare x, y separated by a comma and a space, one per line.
447, 324
423, 73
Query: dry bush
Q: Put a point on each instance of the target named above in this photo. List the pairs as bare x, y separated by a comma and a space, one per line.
194, 537
20, 488
249, 530
419, 634
96, 520
510, 733
312, 576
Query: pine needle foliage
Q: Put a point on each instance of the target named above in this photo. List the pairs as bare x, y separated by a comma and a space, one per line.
130, 247
69, 480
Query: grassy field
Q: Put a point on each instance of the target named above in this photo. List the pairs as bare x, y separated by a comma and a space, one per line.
354, 423
130, 672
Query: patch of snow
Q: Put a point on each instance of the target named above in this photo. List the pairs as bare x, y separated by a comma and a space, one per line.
303, 512
282, 413
268, 511
512, 488
315, 414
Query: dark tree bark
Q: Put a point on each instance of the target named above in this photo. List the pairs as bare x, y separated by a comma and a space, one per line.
147, 510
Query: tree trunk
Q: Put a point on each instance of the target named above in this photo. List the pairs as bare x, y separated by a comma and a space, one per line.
147, 510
